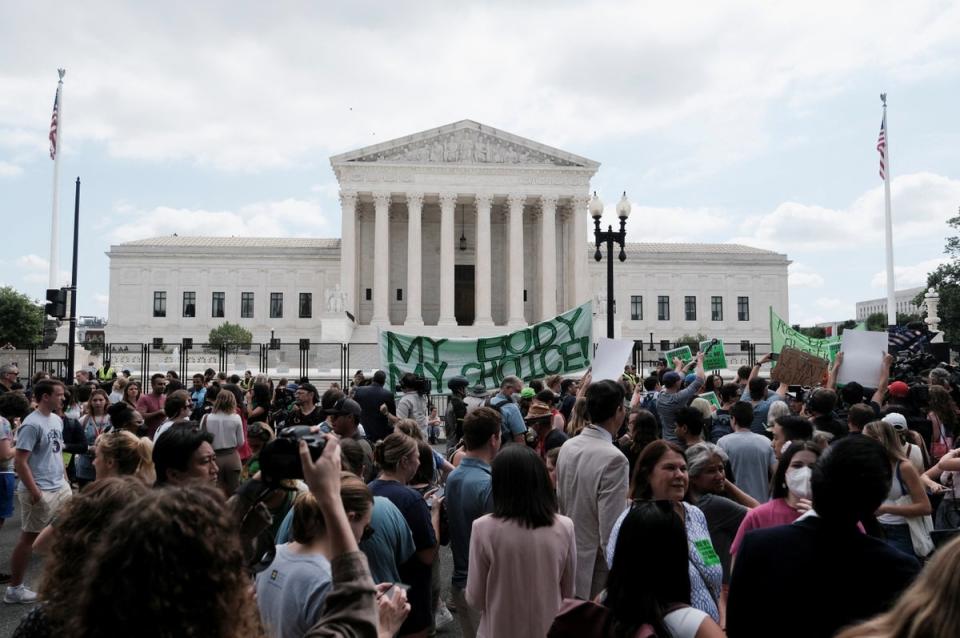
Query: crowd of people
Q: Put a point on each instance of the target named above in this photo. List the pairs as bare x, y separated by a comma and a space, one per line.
677, 504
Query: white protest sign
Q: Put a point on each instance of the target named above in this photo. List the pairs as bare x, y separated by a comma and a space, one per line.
611, 356
862, 357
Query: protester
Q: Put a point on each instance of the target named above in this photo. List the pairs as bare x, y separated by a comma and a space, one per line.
177, 407
947, 472
916, 454
344, 419
399, 458
292, 591
456, 410
80, 524
371, 398
688, 426
43, 489
258, 435
818, 407
760, 396
131, 394
151, 405
648, 590
539, 420
662, 475
709, 490
185, 455
258, 401
120, 453
906, 497
751, 456
94, 421
642, 429
790, 494
413, 402
943, 417
850, 575
522, 556
728, 395
305, 410
117, 389
13, 408
468, 497
512, 420
592, 483
789, 428
672, 398
124, 417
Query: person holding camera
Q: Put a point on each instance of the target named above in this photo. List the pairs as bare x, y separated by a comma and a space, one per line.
306, 411
413, 402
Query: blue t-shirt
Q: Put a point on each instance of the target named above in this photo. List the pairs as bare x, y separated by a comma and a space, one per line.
469, 495
42, 436
6, 433
510, 412
391, 544
291, 592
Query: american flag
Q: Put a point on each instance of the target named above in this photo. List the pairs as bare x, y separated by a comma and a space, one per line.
903, 338
882, 148
53, 126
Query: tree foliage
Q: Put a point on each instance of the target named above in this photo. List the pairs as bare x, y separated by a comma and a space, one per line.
946, 281
231, 335
21, 320
878, 320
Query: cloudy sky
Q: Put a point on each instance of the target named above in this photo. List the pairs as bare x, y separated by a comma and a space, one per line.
724, 121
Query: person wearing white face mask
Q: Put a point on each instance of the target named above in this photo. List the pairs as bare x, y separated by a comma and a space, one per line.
790, 492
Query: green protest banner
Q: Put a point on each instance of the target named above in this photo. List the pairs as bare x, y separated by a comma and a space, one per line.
714, 358
712, 398
557, 346
683, 352
782, 335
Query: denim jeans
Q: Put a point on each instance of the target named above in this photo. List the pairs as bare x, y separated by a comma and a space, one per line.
898, 537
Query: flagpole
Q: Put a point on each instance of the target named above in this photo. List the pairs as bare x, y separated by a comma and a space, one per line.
888, 222
55, 218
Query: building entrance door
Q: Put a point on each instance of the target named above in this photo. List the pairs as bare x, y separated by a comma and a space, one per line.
464, 297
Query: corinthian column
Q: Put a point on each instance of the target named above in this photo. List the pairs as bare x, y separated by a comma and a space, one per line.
348, 250
448, 202
414, 266
484, 285
548, 257
515, 316
381, 262
578, 255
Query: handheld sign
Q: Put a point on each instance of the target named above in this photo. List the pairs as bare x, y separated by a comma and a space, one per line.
683, 352
714, 358
862, 357
795, 367
712, 398
610, 357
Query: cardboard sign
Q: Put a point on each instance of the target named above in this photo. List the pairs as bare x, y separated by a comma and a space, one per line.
610, 357
714, 358
795, 367
683, 352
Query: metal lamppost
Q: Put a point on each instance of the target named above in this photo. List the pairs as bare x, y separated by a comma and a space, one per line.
610, 237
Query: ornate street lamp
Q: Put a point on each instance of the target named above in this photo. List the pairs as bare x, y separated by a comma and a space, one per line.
610, 237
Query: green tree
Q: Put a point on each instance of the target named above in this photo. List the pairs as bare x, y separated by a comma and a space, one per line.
946, 281
21, 320
849, 324
692, 341
231, 335
878, 320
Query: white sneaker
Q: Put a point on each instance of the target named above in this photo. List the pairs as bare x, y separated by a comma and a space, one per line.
442, 617
19, 594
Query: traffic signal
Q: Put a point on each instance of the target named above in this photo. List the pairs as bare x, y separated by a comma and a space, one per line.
56, 302
49, 332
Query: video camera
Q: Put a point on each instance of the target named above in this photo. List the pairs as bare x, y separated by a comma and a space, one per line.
422, 385
280, 458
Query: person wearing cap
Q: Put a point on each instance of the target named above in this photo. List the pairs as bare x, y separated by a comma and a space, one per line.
371, 399
344, 419
912, 451
540, 419
306, 411
476, 397
456, 410
672, 397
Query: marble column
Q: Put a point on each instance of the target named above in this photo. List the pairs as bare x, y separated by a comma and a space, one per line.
448, 204
579, 275
381, 262
348, 250
414, 257
515, 317
484, 316
548, 257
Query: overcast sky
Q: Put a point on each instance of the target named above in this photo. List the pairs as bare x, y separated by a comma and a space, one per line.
725, 122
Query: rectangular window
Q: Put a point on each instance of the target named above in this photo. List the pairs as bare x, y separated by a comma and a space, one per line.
690, 308
159, 303
369, 294
663, 308
716, 308
276, 305
636, 307
743, 308
306, 305
189, 304
246, 305
216, 306
399, 294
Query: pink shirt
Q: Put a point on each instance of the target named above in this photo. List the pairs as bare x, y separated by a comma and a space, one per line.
771, 514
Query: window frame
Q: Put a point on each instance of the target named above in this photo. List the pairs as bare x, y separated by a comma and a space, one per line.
247, 311
276, 305
309, 298
743, 308
689, 308
160, 303
636, 307
663, 307
218, 302
716, 308
191, 304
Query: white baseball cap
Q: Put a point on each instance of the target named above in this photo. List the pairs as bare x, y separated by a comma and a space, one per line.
897, 420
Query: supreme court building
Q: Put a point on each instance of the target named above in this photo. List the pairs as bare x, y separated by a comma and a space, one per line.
462, 230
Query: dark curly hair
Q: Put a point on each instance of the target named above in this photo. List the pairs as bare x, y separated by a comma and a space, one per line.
82, 522
169, 565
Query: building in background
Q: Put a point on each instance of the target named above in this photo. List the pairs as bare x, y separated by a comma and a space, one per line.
904, 301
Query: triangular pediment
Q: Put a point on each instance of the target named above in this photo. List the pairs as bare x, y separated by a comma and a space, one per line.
464, 142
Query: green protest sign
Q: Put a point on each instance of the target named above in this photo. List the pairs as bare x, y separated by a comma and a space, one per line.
557, 346
714, 357
782, 335
712, 398
683, 352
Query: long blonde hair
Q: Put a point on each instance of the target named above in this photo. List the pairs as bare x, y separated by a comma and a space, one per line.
578, 417
887, 435
133, 456
927, 608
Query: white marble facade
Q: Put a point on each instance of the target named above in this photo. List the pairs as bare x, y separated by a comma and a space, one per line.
522, 209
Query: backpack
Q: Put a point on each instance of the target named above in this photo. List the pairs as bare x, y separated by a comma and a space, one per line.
505, 435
